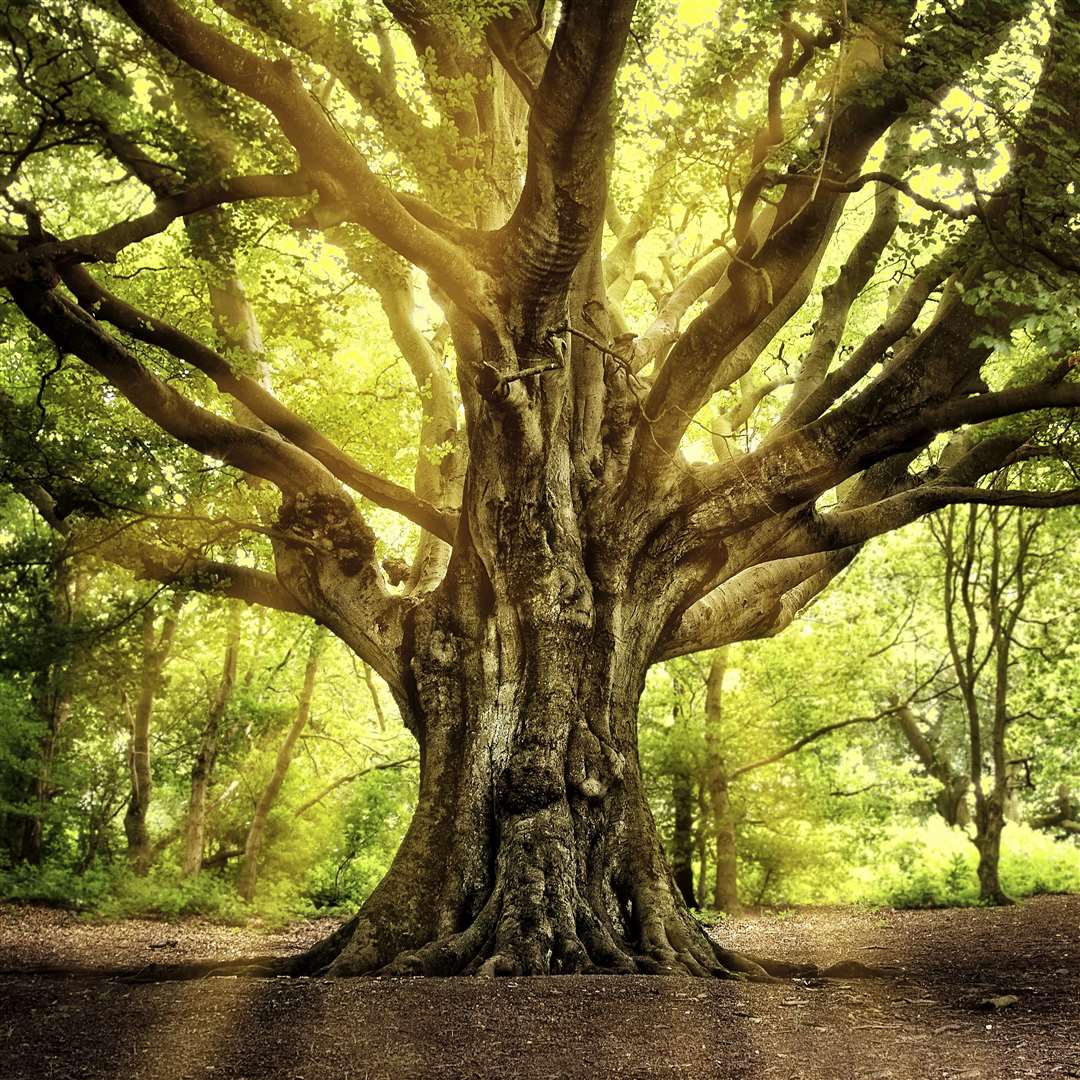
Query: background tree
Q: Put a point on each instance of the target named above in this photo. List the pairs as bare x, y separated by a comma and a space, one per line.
249, 868
156, 643
997, 658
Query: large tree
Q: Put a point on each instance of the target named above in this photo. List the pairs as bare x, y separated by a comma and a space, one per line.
570, 534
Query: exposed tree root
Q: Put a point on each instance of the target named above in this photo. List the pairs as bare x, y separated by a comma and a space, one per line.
444, 957
528, 932
669, 952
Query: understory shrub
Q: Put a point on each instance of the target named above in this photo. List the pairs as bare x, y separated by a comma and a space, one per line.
934, 865
58, 885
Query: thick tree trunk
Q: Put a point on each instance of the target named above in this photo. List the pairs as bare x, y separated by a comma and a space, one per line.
532, 849
249, 867
155, 652
202, 770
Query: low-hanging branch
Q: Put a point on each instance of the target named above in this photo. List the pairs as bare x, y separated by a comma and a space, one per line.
303, 808
254, 396
34, 259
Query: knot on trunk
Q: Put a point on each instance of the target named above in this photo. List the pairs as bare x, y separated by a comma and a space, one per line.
592, 788
328, 523
529, 783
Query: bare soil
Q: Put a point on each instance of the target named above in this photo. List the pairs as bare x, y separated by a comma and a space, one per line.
924, 1022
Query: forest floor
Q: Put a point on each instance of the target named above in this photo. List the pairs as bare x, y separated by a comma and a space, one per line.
924, 1022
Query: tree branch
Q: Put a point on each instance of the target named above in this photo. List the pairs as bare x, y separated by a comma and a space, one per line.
262, 404
73, 330
760, 279
349, 190
30, 261
759, 602
813, 736
314, 800
563, 200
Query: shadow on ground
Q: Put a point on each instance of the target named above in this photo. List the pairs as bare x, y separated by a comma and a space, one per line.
927, 1022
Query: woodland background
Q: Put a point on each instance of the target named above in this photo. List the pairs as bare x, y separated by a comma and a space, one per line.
852, 815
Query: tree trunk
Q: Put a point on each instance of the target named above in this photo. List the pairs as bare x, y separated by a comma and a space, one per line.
51, 695
155, 652
989, 823
701, 842
682, 842
726, 882
532, 849
202, 770
53, 706
249, 867
951, 802
725, 895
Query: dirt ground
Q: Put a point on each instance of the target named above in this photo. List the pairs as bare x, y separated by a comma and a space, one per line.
926, 1022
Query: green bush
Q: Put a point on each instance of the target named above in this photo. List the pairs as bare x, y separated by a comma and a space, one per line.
933, 865
58, 885
1034, 862
163, 896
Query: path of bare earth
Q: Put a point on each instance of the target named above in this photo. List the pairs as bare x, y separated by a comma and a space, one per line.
926, 1022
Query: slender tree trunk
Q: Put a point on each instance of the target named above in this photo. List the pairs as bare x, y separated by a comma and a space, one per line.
249, 866
682, 799
202, 770
725, 893
726, 882
701, 842
1065, 817
51, 695
989, 823
987, 583
155, 652
53, 707
682, 843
